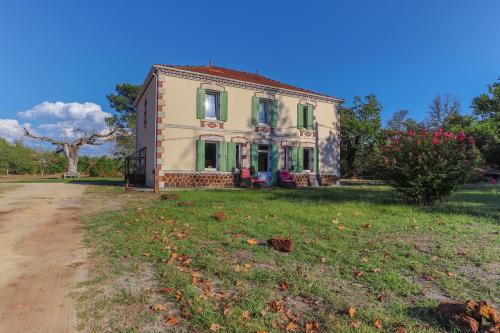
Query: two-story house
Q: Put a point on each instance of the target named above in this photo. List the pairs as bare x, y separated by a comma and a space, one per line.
199, 125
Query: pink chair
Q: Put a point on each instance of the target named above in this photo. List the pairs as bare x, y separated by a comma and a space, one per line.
285, 179
248, 181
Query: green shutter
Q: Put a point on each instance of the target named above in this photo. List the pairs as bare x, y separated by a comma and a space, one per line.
222, 156
300, 159
275, 158
255, 110
200, 103
254, 156
310, 117
300, 116
200, 155
274, 113
231, 156
223, 105
316, 160
295, 160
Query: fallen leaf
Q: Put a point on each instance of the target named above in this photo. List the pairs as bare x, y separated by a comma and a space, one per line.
364, 259
158, 308
252, 241
378, 324
358, 273
284, 286
434, 258
260, 331
450, 274
166, 290
335, 221
351, 311
323, 260
376, 270
367, 226
215, 327
172, 320
382, 297
355, 324
341, 227
245, 314
291, 326
311, 326
401, 329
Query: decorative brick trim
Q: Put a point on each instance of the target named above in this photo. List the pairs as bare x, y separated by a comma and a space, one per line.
198, 179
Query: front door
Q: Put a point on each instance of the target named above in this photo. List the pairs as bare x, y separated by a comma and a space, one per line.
264, 170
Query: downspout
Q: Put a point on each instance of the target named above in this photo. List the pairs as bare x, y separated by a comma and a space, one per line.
155, 171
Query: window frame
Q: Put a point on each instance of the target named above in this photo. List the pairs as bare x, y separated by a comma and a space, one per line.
305, 117
239, 154
287, 152
145, 115
267, 110
216, 95
309, 162
217, 152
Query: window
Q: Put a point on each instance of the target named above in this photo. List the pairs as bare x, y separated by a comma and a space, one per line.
239, 152
145, 113
306, 123
288, 158
211, 105
211, 153
308, 154
264, 111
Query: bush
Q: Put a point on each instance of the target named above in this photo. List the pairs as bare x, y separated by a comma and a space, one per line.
427, 167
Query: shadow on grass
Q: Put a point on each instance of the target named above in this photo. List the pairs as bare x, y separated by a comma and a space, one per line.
428, 315
477, 202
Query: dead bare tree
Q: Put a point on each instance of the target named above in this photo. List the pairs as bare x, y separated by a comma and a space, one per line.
70, 149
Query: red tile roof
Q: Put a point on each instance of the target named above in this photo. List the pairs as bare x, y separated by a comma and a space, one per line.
243, 76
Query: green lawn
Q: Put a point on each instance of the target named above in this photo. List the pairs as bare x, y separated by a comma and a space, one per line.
355, 246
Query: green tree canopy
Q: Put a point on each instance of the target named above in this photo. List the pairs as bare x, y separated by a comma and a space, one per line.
360, 131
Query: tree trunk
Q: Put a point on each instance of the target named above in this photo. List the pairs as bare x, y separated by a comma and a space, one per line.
71, 153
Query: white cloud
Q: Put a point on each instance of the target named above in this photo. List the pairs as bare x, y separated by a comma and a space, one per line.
11, 130
65, 120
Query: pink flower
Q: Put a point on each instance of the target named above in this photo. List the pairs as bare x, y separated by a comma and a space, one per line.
419, 142
472, 141
412, 133
461, 136
435, 141
448, 134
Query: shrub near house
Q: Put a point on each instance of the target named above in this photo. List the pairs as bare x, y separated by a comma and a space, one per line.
426, 167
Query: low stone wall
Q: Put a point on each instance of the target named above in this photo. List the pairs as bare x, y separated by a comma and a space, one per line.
327, 179
301, 179
198, 179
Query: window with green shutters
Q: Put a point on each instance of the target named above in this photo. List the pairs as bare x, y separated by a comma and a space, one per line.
223, 156
254, 157
231, 156
255, 110
300, 159
275, 158
211, 104
200, 155
305, 116
316, 160
300, 116
274, 113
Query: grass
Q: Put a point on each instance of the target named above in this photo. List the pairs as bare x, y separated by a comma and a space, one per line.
354, 246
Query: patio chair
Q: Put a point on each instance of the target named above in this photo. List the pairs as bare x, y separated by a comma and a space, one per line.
285, 179
249, 182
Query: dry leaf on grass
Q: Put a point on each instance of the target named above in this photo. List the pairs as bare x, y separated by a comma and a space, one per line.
367, 226
172, 320
341, 227
245, 314
451, 274
291, 326
351, 311
358, 274
215, 327
401, 329
252, 241
312, 326
284, 286
378, 324
158, 308
355, 324
376, 270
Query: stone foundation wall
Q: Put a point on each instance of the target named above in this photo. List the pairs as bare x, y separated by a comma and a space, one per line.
302, 179
197, 179
227, 179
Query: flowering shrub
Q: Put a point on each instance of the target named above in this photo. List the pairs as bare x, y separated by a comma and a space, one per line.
426, 167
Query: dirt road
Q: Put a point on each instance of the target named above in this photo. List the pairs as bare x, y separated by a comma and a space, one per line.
41, 256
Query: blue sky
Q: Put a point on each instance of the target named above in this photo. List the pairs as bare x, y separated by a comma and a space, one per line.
403, 51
